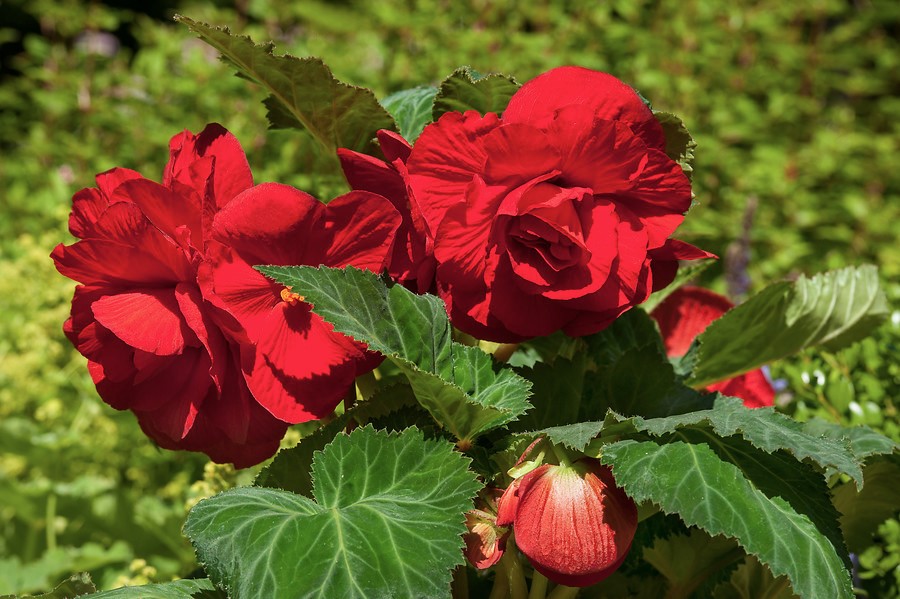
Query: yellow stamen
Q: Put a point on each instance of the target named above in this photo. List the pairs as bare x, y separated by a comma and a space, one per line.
290, 297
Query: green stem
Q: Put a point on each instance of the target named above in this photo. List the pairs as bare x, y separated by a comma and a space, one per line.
517, 586
564, 592
562, 456
538, 586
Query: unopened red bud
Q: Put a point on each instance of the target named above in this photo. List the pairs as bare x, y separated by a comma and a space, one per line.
572, 522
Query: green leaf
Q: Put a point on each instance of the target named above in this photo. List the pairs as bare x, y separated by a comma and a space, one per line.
831, 309
863, 511
705, 491
290, 470
76, 585
680, 145
303, 92
752, 580
576, 436
685, 275
466, 89
387, 521
633, 375
177, 589
411, 109
864, 442
764, 428
689, 561
557, 391
457, 384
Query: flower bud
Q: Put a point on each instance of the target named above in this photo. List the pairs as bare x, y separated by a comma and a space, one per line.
572, 522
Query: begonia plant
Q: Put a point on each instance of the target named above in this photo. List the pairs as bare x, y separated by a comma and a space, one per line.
511, 385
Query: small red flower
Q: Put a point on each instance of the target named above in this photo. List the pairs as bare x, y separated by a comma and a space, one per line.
572, 522
485, 541
551, 216
684, 315
152, 342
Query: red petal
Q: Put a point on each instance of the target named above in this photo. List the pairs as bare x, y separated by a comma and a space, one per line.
166, 209
665, 259
517, 153
300, 369
231, 173
249, 225
145, 319
359, 230
370, 174
753, 387
394, 146
605, 96
685, 314
446, 157
130, 251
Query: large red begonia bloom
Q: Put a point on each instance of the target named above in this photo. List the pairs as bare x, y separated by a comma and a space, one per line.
158, 342
685, 314
572, 522
550, 217
150, 338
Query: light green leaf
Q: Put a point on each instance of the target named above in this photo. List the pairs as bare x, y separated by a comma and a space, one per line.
831, 309
752, 580
411, 109
466, 89
457, 384
303, 92
77, 585
705, 491
387, 521
177, 589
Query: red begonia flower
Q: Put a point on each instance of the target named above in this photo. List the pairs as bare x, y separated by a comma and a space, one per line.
550, 217
139, 318
411, 262
296, 366
485, 540
572, 522
684, 315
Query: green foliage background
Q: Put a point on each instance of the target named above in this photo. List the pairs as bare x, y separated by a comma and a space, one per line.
794, 106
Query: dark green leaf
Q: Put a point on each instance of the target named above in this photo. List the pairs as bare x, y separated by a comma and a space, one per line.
693, 560
411, 109
557, 392
177, 589
457, 384
753, 580
865, 510
386, 521
831, 309
633, 375
290, 470
764, 428
705, 491
303, 92
466, 89
864, 442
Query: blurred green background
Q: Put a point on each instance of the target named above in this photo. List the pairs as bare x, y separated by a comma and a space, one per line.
794, 105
